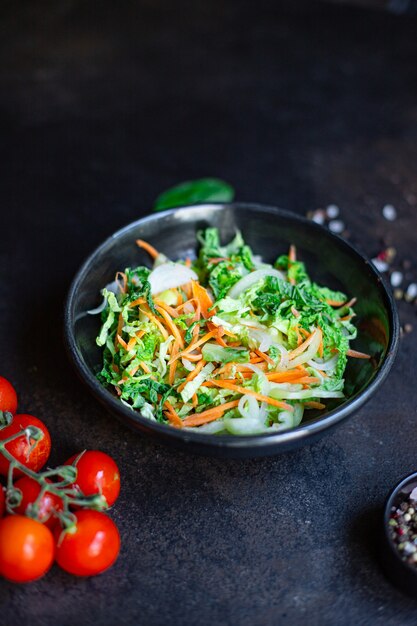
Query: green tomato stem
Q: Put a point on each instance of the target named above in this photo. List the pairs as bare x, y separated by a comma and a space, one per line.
66, 475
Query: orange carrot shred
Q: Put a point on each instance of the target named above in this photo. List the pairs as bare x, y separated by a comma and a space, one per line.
172, 327
173, 365
202, 296
265, 357
172, 415
210, 415
192, 374
155, 321
193, 346
312, 404
258, 396
358, 355
123, 283
122, 342
147, 247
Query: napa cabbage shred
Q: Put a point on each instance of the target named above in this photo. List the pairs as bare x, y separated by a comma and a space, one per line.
224, 344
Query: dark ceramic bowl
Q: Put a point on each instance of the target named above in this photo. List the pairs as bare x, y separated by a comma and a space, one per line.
403, 575
330, 260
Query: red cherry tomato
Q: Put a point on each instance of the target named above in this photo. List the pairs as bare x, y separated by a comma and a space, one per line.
49, 502
93, 547
8, 397
26, 548
97, 473
2, 501
19, 447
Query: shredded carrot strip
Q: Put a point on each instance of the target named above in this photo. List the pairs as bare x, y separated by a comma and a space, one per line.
314, 405
219, 339
147, 246
335, 303
137, 302
193, 357
257, 359
172, 312
118, 331
194, 400
183, 304
157, 322
292, 254
258, 396
122, 342
122, 284
321, 347
192, 374
358, 355
346, 318
193, 346
173, 365
304, 332
197, 315
306, 380
174, 330
291, 355
210, 415
134, 370
242, 367
172, 416
144, 367
131, 344
218, 259
201, 295
265, 357
285, 377
188, 262
221, 342
140, 333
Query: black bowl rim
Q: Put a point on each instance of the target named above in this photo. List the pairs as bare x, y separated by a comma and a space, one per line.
409, 569
283, 438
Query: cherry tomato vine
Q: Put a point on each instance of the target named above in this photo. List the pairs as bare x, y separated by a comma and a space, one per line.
55, 513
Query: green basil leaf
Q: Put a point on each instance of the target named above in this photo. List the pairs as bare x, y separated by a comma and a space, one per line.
194, 191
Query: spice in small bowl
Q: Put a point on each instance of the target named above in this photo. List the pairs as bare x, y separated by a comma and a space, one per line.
399, 557
403, 527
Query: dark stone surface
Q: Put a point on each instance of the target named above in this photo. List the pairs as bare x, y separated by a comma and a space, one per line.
297, 104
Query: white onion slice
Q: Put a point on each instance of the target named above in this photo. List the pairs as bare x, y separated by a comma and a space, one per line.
253, 407
305, 356
170, 276
218, 321
114, 286
265, 382
250, 279
263, 412
188, 365
264, 340
325, 365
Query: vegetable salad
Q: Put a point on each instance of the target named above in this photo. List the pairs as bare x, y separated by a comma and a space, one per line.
226, 343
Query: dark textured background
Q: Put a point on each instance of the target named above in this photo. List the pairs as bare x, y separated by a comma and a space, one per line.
298, 104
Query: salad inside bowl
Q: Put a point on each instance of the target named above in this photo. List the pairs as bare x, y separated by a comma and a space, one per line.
230, 327
225, 343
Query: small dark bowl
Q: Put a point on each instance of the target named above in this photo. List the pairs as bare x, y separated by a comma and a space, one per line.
330, 261
401, 574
